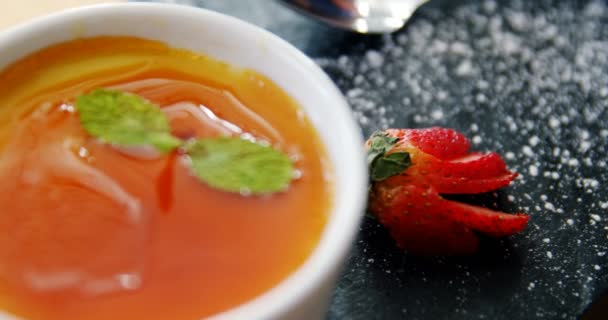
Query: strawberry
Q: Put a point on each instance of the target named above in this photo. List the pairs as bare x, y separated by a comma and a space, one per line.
411, 168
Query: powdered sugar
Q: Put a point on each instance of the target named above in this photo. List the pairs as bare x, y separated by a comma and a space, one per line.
522, 82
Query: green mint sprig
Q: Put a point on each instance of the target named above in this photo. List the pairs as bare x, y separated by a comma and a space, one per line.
226, 163
239, 165
125, 119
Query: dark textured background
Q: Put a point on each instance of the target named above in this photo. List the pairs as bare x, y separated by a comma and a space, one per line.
525, 78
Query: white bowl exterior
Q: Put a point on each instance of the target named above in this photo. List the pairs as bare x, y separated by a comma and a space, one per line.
306, 293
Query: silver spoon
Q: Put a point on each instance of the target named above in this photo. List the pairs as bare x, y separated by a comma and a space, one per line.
363, 16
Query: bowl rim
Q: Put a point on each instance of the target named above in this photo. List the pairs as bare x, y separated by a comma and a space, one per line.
347, 212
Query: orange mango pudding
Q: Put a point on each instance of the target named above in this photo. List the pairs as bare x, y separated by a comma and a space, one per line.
91, 230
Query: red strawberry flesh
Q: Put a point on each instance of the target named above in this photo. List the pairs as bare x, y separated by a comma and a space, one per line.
442, 143
409, 214
409, 203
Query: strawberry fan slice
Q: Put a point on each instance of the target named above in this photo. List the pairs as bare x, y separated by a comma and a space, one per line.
411, 168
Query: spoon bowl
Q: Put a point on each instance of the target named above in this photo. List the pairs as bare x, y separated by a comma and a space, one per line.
362, 16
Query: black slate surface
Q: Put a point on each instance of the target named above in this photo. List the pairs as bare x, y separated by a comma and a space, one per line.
528, 79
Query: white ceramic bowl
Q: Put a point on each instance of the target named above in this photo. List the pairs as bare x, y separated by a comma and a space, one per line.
307, 292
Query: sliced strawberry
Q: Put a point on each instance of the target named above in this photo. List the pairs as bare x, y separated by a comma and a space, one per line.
409, 214
434, 237
490, 222
473, 166
454, 177
436, 161
442, 143
426, 203
464, 185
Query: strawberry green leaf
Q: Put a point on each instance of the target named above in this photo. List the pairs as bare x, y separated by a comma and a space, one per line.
237, 165
380, 144
125, 119
390, 165
381, 165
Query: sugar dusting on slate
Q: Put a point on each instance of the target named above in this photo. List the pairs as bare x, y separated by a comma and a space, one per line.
527, 79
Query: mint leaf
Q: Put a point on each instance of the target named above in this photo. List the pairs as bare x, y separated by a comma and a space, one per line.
382, 166
237, 165
125, 119
229, 164
390, 165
